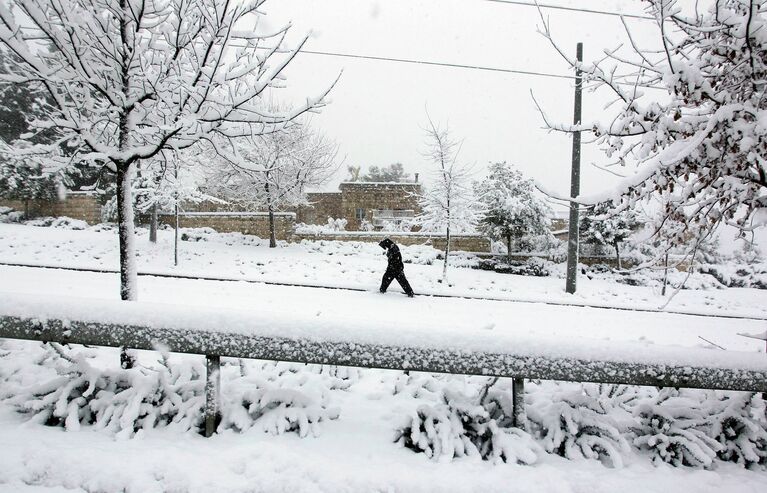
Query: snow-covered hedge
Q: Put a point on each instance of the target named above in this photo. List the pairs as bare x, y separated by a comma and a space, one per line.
610, 423
445, 417
59, 386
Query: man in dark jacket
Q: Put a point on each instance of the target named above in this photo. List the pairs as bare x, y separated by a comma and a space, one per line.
395, 269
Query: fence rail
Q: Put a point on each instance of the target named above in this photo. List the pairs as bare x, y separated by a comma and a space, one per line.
506, 363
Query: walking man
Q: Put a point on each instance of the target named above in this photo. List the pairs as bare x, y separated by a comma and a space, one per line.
395, 269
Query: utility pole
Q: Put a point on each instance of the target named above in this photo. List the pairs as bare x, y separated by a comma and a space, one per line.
175, 213
575, 182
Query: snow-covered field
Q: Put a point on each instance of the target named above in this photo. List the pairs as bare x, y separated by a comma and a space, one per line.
353, 265
356, 451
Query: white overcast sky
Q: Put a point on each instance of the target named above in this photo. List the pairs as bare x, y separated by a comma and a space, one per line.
377, 113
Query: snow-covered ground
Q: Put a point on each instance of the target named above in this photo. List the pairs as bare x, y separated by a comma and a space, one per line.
356, 451
354, 265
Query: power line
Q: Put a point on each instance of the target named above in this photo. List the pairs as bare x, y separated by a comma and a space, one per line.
438, 64
571, 9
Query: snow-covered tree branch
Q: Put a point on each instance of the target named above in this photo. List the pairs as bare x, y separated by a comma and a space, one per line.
128, 79
274, 170
701, 146
448, 204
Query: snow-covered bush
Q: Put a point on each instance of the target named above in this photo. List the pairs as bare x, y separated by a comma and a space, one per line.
575, 423
533, 266
673, 427
118, 400
62, 222
8, 215
737, 275
469, 420
740, 426
280, 397
332, 226
404, 225
58, 386
422, 386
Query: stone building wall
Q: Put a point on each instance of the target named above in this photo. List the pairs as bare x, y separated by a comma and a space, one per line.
322, 205
372, 196
249, 223
85, 206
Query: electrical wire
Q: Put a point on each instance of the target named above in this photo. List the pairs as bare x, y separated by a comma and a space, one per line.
571, 9
438, 64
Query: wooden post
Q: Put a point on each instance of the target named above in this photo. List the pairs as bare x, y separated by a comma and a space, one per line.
575, 183
519, 416
212, 396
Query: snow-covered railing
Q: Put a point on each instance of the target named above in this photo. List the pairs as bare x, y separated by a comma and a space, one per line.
350, 342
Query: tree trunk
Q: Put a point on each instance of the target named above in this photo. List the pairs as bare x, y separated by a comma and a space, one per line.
665, 276
447, 253
508, 247
270, 210
125, 234
272, 236
617, 254
26, 209
125, 227
153, 224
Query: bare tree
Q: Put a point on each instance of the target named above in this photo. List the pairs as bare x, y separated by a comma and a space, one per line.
699, 144
273, 171
448, 204
128, 79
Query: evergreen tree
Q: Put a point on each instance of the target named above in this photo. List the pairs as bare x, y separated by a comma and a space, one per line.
512, 208
393, 173
602, 226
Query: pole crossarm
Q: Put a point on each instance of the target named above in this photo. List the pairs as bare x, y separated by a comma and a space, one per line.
506, 363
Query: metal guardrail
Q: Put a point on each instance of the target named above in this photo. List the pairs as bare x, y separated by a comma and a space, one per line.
506, 363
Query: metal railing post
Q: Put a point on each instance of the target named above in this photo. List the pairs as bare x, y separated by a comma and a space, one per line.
212, 393
519, 416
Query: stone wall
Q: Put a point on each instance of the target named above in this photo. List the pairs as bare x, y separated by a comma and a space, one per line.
465, 243
250, 223
372, 196
322, 205
85, 206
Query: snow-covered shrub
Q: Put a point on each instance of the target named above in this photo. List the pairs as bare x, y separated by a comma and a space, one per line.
575, 423
740, 426
118, 400
280, 397
58, 222
8, 215
468, 420
198, 234
673, 427
420, 385
332, 226
404, 225
337, 224
737, 275
533, 266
